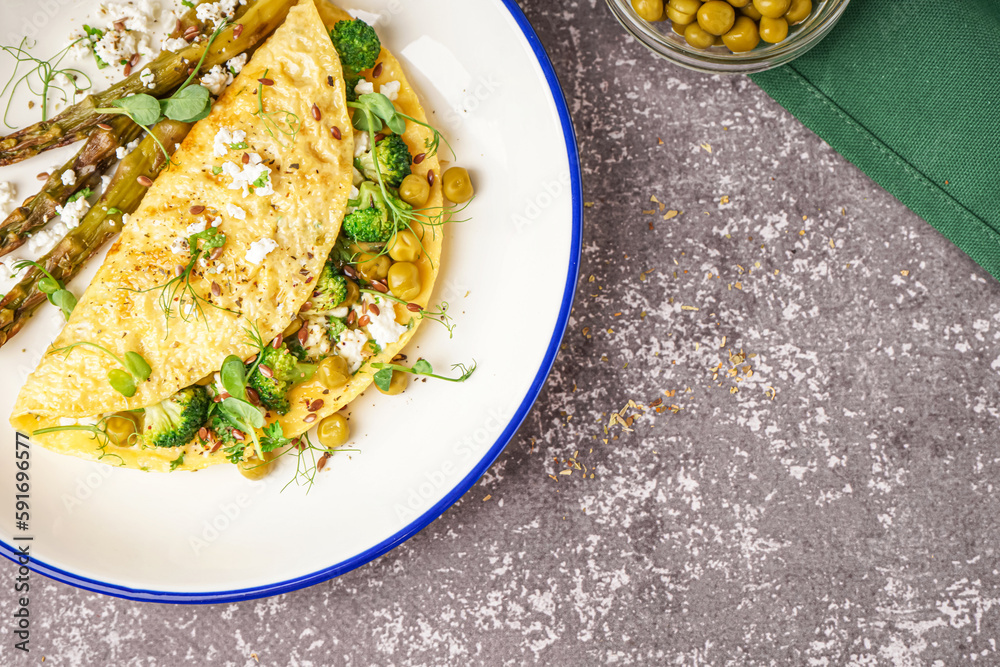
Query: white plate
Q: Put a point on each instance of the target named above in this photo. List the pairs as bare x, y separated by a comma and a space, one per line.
509, 275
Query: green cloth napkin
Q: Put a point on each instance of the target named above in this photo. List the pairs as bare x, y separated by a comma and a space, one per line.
910, 93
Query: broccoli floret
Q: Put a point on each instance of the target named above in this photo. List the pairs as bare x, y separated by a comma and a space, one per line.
330, 290
370, 221
352, 80
283, 371
357, 44
175, 421
337, 327
394, 160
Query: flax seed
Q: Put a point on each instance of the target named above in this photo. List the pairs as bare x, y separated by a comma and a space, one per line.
253, 396
144, 181
197, 210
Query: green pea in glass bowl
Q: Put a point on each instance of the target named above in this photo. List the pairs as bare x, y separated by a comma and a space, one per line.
660, 38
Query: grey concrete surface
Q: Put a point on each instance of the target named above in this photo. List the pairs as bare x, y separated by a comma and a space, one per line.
820, 493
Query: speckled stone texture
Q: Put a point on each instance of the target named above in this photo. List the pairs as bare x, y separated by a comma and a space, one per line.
820, 493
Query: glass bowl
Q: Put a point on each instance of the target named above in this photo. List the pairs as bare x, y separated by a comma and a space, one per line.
663, 41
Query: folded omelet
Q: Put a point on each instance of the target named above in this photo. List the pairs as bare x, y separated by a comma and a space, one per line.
271, 170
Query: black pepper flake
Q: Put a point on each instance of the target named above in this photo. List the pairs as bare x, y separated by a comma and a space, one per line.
294, 165
329, 80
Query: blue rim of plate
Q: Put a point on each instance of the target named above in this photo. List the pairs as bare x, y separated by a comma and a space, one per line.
459, 490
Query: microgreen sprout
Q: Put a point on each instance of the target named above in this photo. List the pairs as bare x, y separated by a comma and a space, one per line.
372, 110
423, 367
439, 314
40, 79
122, 381
99, 432
189, 103
306, 464
51, 288
291, 120
179, 288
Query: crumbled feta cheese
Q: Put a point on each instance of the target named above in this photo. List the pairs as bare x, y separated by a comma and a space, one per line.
362, 143
73, 212
351, 346
245, 176
364, 88
236, 212
62, 79
80, 47
116, 47
122, 151
214, 12
260, 249
235, 65
383, 327
174, 44
316, 337
368, 17
180, 246
217, 221
341, 312
216, 80
197, 227
105, 180
69, 177
224, 138
391, 90
8, 192
148, 79
43, 241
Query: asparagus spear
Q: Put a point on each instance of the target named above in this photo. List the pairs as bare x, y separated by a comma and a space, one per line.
170, 69
89, 164
103, 221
